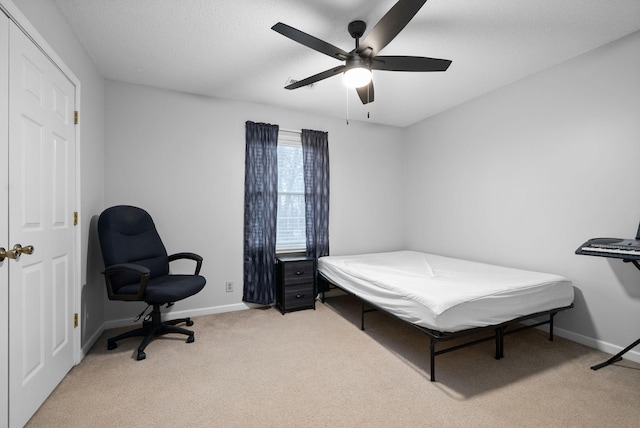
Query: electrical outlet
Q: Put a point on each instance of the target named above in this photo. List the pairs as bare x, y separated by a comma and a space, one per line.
229, 285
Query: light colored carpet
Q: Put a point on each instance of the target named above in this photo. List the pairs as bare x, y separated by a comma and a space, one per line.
258, 368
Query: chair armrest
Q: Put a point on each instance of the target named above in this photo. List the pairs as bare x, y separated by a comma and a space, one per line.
140, 270
126, 267
191, 256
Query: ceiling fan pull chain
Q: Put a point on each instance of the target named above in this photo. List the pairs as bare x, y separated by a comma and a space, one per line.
347, 92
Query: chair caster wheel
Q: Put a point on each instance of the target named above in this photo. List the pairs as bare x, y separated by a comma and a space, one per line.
141, 356
111, 344
190, 339
189, 323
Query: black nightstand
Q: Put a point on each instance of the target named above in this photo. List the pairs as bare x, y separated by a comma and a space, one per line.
295, 283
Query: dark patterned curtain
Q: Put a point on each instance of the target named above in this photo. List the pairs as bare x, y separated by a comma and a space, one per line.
315, 151
260, 211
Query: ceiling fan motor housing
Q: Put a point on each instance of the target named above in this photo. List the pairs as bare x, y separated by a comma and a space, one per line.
357, 62
357, 29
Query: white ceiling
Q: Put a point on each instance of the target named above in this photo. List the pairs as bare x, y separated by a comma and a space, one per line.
227, 49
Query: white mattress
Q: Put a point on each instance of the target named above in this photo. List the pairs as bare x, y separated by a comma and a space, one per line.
443, 293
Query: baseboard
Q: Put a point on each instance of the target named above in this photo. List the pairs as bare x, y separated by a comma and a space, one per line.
631, 355
84, 350
107, 325
181, 314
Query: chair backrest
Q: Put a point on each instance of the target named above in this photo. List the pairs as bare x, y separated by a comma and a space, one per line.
128, 235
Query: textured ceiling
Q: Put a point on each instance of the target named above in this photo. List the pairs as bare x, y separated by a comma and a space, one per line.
227, 49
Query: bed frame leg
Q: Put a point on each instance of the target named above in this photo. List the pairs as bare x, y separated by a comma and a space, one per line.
362, 317
551, 326
499, 343
432, 352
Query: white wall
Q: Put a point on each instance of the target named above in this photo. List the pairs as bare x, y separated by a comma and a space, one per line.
181, 157
48, 21
519, 177
526, 174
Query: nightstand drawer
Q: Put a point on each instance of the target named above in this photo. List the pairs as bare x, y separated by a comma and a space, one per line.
299, 296
298, 272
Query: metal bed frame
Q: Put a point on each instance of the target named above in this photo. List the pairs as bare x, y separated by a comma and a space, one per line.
499, 330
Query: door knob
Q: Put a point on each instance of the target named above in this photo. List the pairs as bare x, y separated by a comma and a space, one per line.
24, 250
15, 252
4, 254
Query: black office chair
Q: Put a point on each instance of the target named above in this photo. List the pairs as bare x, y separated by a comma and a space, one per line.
137, 269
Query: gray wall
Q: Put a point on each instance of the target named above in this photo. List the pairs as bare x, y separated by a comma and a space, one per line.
181, 157
518, 177
524, 175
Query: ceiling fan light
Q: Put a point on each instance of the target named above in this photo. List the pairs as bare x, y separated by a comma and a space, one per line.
357, 77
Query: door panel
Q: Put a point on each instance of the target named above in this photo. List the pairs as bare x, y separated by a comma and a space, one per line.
41, 203
32, 349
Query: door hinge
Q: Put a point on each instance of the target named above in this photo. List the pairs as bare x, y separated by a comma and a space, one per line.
75, 218
75, 320
75, 117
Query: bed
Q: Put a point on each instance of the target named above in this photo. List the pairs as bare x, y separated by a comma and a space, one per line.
448, 298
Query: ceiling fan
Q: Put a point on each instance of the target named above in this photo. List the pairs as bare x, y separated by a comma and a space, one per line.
360, 61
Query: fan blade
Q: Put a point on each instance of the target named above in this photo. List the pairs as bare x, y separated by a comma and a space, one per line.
409, 63
366, 93
310, 41
316, 77
389, 26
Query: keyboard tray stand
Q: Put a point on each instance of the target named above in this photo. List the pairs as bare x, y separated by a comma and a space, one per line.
632, 257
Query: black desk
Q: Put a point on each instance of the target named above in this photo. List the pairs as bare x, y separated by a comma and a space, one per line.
626, 249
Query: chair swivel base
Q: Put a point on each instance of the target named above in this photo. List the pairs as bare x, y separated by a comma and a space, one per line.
152, 329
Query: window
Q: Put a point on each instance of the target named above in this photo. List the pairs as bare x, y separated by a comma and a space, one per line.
290, 229
278, 220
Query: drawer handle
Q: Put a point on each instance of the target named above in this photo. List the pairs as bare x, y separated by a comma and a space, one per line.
299, 272
299, 296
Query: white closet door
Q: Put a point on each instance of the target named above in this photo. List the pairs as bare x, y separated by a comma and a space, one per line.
41, 203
